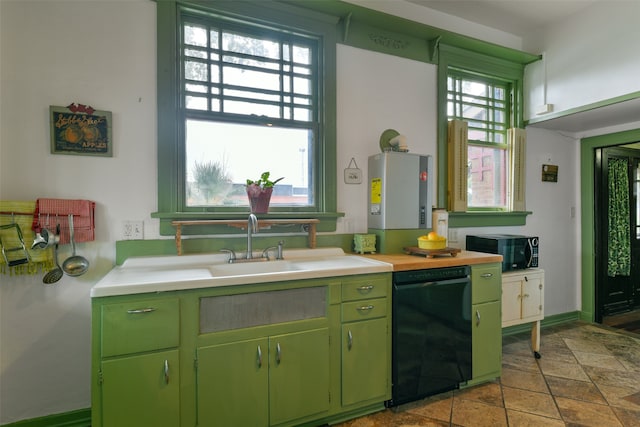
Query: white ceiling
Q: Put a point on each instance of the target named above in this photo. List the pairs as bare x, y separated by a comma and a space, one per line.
518, 17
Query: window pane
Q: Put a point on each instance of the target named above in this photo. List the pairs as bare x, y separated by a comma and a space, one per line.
487, 177
222, 156
250, 45
196, 71
250, 78
195, 35
196, 103
235, 78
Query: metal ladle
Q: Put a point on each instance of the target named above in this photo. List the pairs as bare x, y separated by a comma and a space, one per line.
56, 274
75, 265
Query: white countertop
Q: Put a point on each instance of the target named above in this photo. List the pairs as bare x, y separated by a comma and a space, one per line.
171, 273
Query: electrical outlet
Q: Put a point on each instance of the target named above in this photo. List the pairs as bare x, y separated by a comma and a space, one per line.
453, 235
133, 230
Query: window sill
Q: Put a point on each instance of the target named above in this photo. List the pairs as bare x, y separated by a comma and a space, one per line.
487, 219
327, 221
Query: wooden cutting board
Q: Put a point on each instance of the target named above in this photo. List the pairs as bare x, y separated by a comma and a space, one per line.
430, 253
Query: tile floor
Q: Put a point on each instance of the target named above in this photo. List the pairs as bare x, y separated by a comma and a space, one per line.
589, 375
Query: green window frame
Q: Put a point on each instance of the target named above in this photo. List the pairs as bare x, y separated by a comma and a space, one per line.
488, 115
458, 62
271, 19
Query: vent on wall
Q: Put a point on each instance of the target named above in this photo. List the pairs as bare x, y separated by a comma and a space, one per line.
517, 143
457, 174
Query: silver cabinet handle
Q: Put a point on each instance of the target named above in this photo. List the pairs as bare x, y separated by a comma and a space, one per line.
349, 339
259, 357
141, 310
365, 288
166, 371
486, 275
477, 317
365, 307
278, 353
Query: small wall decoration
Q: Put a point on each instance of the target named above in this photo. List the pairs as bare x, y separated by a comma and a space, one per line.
550, 173
79, 129
352, 174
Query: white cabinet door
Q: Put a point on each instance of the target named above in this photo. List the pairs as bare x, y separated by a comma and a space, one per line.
511, 305
532, 296
522, 296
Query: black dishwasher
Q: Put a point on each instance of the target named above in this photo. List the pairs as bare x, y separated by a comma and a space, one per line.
431, 332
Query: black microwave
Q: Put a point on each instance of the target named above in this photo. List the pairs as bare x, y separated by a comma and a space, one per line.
518, 252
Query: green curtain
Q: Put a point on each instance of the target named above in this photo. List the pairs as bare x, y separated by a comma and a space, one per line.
619, 257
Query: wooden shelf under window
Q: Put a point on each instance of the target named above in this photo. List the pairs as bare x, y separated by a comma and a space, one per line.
242, 224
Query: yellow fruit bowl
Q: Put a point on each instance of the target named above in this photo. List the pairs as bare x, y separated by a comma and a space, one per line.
426, 243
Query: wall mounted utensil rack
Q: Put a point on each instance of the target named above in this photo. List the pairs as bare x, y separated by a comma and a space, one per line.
242, 223
27, 231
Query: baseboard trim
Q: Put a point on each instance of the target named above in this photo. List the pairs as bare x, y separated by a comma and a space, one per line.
79, 418
556, 319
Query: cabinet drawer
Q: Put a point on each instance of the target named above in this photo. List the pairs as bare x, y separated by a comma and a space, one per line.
365, 309
373, 287
486, 282
140, 326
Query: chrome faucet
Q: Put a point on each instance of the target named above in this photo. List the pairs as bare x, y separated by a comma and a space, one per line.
265, 253
252, 227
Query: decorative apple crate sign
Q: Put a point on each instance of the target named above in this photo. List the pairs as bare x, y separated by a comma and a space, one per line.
79, 129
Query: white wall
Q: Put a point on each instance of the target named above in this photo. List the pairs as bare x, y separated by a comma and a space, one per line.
54, 53
102, 53
590, 57
373, 95
555, 217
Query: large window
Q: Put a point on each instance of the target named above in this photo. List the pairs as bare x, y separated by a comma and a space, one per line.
484, 103
244, 88
250, 98
482, 167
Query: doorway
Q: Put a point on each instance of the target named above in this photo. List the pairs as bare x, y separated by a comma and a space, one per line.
617, 237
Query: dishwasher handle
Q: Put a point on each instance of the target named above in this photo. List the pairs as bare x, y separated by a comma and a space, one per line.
419, 285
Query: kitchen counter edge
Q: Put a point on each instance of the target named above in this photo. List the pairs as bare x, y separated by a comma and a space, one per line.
405, 262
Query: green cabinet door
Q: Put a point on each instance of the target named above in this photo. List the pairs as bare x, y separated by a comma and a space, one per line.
298, 375
365, 361
487, 340
232, 384
141, 390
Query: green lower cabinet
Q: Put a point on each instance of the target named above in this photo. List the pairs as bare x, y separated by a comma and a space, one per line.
365, 361
268, 381
487, 341
298, 375
233, 384
486, 284
141, 390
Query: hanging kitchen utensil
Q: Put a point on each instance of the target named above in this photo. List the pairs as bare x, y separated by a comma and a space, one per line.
12, 246
39, 241
75, 265
56, 274
50, 238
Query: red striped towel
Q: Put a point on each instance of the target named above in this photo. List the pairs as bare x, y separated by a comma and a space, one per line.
56, 211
